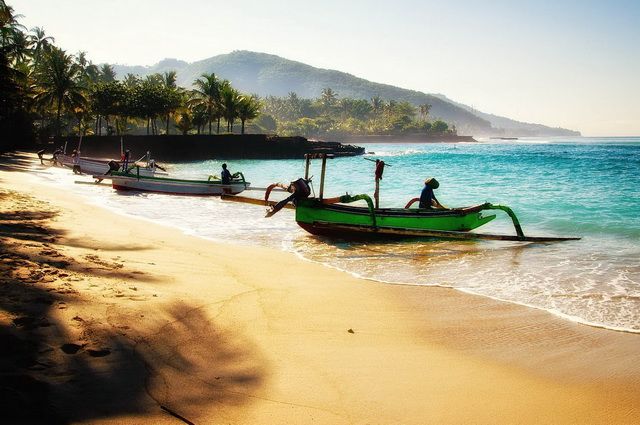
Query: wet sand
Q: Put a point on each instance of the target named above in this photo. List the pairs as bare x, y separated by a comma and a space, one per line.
107, 319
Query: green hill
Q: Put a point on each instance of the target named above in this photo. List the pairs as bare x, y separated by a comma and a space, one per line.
265, 74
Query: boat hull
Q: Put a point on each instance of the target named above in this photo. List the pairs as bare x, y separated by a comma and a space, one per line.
176, 186
349, 222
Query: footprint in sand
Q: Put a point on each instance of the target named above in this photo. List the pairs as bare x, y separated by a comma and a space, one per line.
99, 261
99, 353
70, 348
25, 322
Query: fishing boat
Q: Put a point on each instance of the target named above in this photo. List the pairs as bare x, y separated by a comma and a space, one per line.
95, 166
134, 180
334, 217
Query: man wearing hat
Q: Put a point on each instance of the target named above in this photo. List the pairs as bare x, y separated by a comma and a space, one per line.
427, 198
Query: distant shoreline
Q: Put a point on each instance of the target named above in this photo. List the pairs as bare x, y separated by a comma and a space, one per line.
408, 139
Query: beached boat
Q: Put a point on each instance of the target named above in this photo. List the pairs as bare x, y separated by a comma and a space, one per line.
134, 180
333, 217
95, 166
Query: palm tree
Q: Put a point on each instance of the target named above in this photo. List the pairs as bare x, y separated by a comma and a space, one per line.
173, 95
207, 93
41, 44
131, 80
293, 109
169, 79
229, 100
424, 110
107, 74
199, 116
9, 26
184, 121
21, 48
328, 99
328, 96
377, 104
248, 108
56, 83
89, 73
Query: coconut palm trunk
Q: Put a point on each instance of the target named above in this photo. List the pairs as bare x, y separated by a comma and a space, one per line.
58, 112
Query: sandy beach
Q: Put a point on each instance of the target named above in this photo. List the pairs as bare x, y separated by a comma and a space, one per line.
106, 319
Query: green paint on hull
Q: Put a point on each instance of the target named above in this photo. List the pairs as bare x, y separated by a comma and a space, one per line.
309, 211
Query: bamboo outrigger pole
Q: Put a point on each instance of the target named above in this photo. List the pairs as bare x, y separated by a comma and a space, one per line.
324, 158
324, 167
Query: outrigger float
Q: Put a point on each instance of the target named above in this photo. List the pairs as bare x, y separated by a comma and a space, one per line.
332, 217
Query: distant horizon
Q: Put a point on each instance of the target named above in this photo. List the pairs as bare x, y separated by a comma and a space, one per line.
565, 64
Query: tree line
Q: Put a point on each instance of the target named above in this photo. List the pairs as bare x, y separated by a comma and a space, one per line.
49, 92
332, 115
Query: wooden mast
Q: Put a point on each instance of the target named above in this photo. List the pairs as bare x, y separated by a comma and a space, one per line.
324, 166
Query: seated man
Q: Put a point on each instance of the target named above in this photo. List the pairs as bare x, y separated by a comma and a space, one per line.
225, 175
427, 198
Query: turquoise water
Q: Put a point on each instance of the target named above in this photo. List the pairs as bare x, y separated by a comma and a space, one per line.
565, 187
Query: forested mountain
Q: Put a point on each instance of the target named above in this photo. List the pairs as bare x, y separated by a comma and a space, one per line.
510, 127
265, 74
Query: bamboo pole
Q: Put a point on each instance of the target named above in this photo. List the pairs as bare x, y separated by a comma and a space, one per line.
306, 167
322, 173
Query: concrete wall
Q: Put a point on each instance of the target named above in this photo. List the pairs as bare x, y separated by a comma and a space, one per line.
177, 148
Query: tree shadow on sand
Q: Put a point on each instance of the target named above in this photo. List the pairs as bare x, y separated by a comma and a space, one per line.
16, 161
118, 367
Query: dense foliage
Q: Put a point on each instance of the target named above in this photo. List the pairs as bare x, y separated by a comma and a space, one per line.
49, 92
331, 115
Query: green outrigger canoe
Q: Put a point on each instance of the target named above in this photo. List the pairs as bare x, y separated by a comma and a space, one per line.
333, 217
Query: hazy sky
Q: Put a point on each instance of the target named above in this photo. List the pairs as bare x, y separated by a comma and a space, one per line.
574, 64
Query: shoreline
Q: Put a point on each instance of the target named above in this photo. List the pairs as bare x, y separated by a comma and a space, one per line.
556, 313
236, 244
408, 139
280, 332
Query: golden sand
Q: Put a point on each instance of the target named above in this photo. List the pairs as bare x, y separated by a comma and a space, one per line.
106, 319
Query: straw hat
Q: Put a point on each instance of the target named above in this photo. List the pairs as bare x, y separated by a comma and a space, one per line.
432, 183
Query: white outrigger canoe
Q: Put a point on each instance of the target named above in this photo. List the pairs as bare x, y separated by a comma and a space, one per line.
211, 187
95, 166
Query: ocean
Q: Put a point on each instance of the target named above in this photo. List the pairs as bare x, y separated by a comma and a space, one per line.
585, 187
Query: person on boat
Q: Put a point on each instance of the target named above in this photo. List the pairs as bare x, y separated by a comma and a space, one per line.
113, 166
76, 162
225, 176
299, 189
55, 159
427, 198
126, 156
